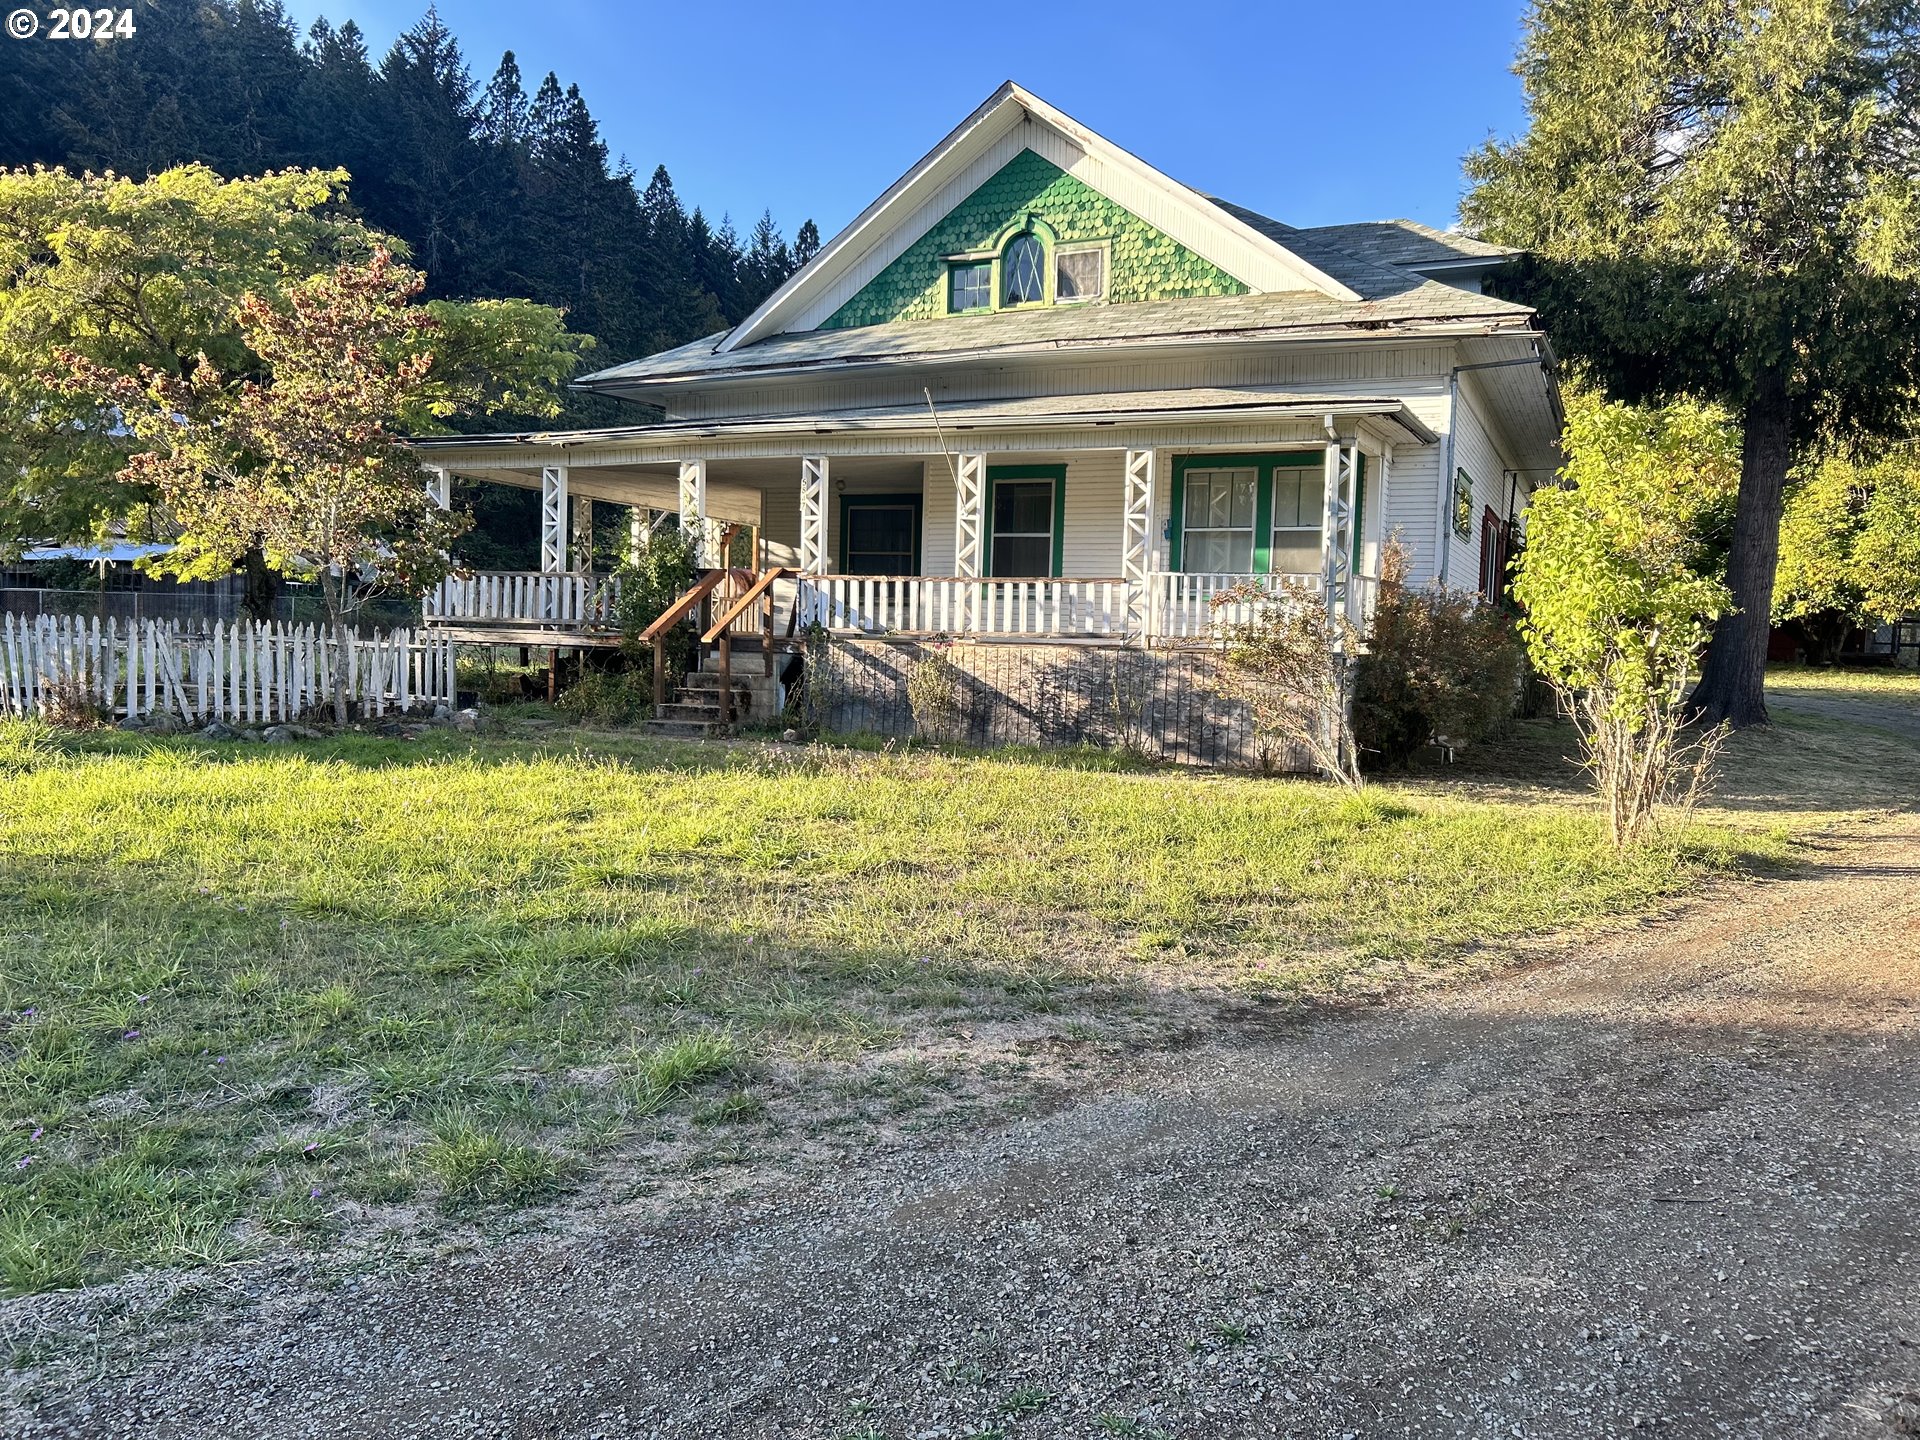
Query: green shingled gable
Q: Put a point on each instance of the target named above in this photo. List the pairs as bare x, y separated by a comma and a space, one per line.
1144, 263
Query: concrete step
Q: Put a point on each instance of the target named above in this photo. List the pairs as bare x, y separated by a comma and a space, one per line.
681, 729
689, 711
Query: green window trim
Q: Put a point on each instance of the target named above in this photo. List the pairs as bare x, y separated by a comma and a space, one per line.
1462, 504
1055, 473
1266, 463
955, 270
910, 498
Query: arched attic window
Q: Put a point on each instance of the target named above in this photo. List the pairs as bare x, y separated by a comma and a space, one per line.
1023, 269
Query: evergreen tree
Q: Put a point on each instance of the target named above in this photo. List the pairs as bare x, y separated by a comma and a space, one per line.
1722, 202
806, 244
504, 118
493, 194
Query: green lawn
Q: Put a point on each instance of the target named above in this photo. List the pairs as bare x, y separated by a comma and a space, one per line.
258, 997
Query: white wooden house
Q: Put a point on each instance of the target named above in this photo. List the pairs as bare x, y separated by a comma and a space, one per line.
1039, 390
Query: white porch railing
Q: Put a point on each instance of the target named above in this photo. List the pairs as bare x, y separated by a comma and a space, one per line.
523, 597
1179, 606
954, 605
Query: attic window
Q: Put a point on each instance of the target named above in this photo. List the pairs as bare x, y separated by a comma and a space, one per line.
1080, 274
970, 286
1024, 272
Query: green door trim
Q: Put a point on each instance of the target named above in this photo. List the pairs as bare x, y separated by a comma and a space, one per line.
1058, 475
909, 498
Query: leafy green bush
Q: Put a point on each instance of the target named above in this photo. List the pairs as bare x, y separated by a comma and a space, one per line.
660, 575
608, 699
1437, 662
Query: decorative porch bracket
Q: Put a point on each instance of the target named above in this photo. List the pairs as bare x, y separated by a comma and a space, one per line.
693, 511
553, 519
1136, 552
440, 485
813, 515
1336, 533
969, 527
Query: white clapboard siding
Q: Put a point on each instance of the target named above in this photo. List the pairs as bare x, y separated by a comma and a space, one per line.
246, 672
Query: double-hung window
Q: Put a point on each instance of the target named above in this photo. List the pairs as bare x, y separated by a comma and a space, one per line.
1299, 511
1218, 520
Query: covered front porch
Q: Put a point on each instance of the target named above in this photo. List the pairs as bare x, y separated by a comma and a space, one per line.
1059, 539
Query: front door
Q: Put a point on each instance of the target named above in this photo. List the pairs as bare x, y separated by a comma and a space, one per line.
880, 535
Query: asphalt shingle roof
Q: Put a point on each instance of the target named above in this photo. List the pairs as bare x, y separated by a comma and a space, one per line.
1371, 260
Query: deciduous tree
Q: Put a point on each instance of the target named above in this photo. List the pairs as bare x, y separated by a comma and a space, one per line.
1620, 586
135, 276
1850, 548
307, 462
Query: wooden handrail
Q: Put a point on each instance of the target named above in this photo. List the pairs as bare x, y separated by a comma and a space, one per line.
684, 606
759, 588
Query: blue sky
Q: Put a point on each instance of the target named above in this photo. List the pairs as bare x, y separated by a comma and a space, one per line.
1314, 113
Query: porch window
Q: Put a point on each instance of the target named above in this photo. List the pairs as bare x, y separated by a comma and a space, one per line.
1022, 528
1023, 267
1080, 274
1299, 511
970, 286
1219, 521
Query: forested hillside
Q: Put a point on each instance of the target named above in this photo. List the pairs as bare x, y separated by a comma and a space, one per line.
498, 192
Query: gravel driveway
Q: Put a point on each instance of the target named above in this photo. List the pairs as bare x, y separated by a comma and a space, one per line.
1669, 1182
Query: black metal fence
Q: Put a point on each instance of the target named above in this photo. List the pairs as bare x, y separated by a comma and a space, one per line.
1163, 703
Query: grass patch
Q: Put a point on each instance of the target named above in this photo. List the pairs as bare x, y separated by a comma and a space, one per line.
252, 994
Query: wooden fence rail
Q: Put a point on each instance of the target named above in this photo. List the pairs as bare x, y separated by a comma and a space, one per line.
245, 671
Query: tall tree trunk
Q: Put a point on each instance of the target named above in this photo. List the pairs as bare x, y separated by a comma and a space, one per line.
1733, 678
263, 586
333, 590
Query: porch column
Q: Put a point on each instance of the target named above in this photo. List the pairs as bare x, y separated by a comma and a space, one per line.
582, 557
813, 515
1336, 531
1136, 549
693, 511
553, 519
440, 485
969, 531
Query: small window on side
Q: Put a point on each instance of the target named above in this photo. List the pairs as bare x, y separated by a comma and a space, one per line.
970, 286
1080, 275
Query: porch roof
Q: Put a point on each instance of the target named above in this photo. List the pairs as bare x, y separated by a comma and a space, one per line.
1418, 307
1133, 407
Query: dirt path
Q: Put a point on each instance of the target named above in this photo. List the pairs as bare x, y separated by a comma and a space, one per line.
1670, 1183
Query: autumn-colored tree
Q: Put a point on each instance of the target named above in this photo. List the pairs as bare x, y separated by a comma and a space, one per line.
131, 276
307, 462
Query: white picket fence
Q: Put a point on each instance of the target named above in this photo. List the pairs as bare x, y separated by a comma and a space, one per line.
240, 672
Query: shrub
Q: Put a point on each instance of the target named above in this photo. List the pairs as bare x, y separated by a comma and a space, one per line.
1437, 662
1619, 585
608, 699
661, 573
1290, 664
937, 695
650, 583
67, 703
